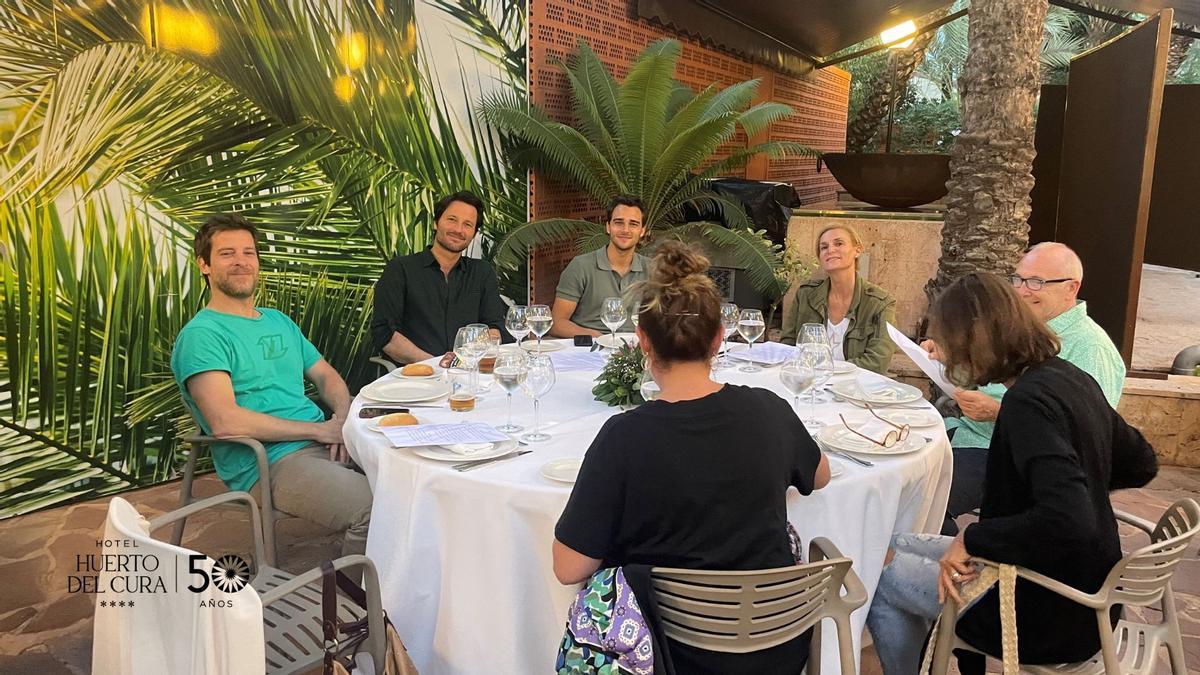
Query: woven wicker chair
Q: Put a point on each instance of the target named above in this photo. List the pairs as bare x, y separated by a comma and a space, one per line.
741, 612
1141, 579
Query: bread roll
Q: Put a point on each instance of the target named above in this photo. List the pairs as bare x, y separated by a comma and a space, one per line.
397, 420
417, 370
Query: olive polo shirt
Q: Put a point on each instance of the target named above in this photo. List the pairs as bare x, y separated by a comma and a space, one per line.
590, 278
415, 299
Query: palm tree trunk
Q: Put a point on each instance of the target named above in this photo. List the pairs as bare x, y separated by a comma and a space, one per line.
865, 124
986, 227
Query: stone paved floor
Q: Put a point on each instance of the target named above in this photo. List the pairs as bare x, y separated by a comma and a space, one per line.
47, 631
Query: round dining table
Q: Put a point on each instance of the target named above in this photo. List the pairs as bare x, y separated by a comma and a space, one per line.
464, 558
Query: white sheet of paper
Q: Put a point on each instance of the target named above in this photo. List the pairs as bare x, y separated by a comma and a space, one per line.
934, 369
765, 353
568, 360
442, 434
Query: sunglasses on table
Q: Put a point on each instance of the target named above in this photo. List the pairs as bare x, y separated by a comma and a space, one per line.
896, 434
1034, 283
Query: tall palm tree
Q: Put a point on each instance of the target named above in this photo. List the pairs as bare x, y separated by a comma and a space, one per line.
987, 207
649, 136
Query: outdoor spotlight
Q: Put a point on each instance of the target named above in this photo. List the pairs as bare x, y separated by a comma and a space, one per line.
896, 32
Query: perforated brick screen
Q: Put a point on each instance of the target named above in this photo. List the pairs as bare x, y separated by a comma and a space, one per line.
611, 29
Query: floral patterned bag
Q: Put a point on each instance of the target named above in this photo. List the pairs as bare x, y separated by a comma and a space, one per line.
606, 631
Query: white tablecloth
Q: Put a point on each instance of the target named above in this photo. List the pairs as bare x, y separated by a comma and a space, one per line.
464, 558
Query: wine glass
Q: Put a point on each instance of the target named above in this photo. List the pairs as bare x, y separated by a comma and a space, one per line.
813, 332
751, 327
797, 376
819, 358
634, 315
539, 379
539, 320
729, 323
612, 315
515, 324
469, 345
647, 387
510, 371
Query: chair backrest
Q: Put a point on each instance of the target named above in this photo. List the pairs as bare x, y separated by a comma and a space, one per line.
152, 623
1141, 577
740, 612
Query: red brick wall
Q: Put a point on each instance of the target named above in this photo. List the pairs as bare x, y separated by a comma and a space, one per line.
617, 36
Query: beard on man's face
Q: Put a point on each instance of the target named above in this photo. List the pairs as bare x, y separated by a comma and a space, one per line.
452, 245
236, 286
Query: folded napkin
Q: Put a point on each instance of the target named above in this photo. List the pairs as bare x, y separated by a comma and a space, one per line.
469, 448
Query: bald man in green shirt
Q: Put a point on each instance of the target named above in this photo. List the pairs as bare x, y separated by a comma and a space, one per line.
1048, 280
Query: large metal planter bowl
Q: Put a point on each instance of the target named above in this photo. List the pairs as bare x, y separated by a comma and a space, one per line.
896, 181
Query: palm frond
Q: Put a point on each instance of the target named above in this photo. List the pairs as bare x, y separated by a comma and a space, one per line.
642, 105
755, 253
513, 249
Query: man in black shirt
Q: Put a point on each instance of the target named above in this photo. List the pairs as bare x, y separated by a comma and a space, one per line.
423, 299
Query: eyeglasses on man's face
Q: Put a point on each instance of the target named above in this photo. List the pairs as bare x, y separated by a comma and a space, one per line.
1034, 283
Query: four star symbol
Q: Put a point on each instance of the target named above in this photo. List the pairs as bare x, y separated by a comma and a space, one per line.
114, 603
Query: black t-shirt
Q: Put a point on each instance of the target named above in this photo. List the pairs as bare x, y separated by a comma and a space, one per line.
701, 485
696, 484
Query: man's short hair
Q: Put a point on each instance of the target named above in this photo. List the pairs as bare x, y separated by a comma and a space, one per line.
464, 196
624, 200
221, 222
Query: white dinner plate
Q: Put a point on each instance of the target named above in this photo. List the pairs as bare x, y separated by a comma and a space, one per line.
562, 470
437, 374
442, 454
373, 423
607, 341
406, 390
840, 438
913, 418
547, 346
843, 367
885, 393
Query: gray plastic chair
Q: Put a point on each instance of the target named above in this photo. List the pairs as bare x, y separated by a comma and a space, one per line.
269, 514
1141, 579
741, 612
292, 626
383, 362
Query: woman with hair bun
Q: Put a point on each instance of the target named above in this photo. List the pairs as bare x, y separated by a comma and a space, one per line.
697, 478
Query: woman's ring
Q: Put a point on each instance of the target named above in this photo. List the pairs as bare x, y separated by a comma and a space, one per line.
955, 576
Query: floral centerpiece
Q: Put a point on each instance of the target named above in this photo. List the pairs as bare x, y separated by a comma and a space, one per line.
619, 382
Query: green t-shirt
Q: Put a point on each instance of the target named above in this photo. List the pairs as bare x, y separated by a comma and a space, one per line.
266, 358
590, 278
1084, 344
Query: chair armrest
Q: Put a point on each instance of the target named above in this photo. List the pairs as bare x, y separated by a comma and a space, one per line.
375, 624
1085, 599
251, 443
385, 362
1140, 523
821, 548
194, 507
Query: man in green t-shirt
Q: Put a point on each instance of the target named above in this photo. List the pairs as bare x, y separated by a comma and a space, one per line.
604, 273
1047, 278
241, 371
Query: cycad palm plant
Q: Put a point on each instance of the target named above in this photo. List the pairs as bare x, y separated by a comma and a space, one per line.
652, 137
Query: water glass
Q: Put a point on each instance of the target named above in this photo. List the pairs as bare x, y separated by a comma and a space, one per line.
470, 344
819, 358
539, 380
797, 377
539, 319
751, 327
729, 323
813, 332
510, 371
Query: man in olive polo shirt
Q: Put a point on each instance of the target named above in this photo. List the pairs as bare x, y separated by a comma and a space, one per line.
423, 299
603, 273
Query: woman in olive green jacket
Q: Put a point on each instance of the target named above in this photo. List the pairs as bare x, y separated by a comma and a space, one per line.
854, 311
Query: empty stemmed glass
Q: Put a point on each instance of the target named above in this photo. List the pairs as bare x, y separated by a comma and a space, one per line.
729, 323
539, 320
751, 327
613, 315
510, 371
819, 358
515, 323
815, 333
539, 379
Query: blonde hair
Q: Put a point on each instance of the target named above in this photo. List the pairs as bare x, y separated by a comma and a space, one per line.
679, 307
849, 229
